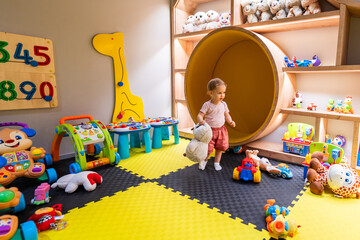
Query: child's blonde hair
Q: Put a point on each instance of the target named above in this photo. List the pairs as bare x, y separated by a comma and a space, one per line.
214, 83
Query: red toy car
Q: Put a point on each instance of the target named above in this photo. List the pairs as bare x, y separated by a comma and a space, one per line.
311, 106
247, 171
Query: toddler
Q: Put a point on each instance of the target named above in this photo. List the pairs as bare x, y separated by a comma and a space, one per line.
215, 112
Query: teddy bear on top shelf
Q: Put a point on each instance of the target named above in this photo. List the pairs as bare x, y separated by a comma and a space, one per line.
264, 10
205, 21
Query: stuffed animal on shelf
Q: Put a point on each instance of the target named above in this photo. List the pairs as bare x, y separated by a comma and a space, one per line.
294, 8
71, 182
347, 107
249, 8
310, 6
225, 19
263, 11
277, 8
189, 24
200, 21
197, 149
341, 178
212, 20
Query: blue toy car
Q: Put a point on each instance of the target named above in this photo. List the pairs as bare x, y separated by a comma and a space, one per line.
285, 171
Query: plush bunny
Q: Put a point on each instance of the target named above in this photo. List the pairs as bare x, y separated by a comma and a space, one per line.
294, 8
249, 8
225, 19
277, 7
200, 21
310, 6
71, 182
189, 24
263, 12
212, 20
197, 149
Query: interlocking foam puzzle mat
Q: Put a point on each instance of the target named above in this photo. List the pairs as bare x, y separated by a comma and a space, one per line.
163, 195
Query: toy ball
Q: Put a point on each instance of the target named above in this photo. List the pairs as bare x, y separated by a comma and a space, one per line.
238, 149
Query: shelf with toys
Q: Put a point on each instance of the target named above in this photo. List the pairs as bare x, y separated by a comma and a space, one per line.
184, 41
324, 69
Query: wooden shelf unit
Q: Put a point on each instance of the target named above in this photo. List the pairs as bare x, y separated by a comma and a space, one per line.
321, 118
324, 69
184, 43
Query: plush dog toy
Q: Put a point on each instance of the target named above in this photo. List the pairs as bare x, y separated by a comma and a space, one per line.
197, 149
263, 12
341, 178
71, 182
277, 7
249, 8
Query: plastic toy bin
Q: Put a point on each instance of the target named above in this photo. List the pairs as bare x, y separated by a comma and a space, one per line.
251, 65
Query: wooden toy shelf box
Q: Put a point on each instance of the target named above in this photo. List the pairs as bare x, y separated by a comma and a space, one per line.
184, 43
348, 9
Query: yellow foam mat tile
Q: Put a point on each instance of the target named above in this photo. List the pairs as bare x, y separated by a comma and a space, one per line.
158, 162
326, 217
150, 211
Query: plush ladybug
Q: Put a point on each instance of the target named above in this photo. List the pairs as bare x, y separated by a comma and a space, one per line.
45, 217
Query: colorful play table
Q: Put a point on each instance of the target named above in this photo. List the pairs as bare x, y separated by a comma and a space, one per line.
161, 131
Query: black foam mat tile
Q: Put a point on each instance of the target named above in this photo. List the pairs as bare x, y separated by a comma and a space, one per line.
241, 199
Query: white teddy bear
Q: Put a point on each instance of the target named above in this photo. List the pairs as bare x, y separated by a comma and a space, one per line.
200, 21
249, 8
189, 24
277, 7
197, 149
263, 12
294, 8
310, 6
212, 20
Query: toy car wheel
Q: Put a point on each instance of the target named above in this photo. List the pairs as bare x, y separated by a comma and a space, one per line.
257, 176
48, 160
74, 168
283, 175
97, 149
29, 230
21, 204
238, 149
236, 174
51, 174
117, 158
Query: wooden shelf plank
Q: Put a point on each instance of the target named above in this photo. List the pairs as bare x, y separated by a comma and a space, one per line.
322, 114
186, 132
323, 19
179, 70
274, 151
323, 69
180, 100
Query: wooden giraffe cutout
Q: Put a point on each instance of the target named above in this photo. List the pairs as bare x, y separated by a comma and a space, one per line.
126, 104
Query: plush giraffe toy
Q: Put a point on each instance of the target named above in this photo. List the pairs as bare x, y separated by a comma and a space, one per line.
341, 178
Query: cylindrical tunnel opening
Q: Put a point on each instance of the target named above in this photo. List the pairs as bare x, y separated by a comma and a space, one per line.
246, 63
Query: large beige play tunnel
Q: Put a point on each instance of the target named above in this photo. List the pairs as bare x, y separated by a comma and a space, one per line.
251, 65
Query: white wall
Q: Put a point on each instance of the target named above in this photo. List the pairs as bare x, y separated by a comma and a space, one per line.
85, 79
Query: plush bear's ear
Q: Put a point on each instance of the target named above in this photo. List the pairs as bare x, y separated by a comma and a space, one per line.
29, 132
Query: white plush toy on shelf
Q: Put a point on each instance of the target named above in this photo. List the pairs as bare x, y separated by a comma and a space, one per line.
310, 6
225, 19
212, 20
200, 21
249, 8
294, 8
71, 182
263, 12
197, 149
277, 7
189, 24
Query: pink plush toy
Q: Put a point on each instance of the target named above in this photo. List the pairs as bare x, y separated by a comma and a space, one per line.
71, 182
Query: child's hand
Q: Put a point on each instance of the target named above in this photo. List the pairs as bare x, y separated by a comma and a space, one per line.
232, 124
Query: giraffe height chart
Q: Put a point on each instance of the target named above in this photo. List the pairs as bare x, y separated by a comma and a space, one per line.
27, 70
126, 104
